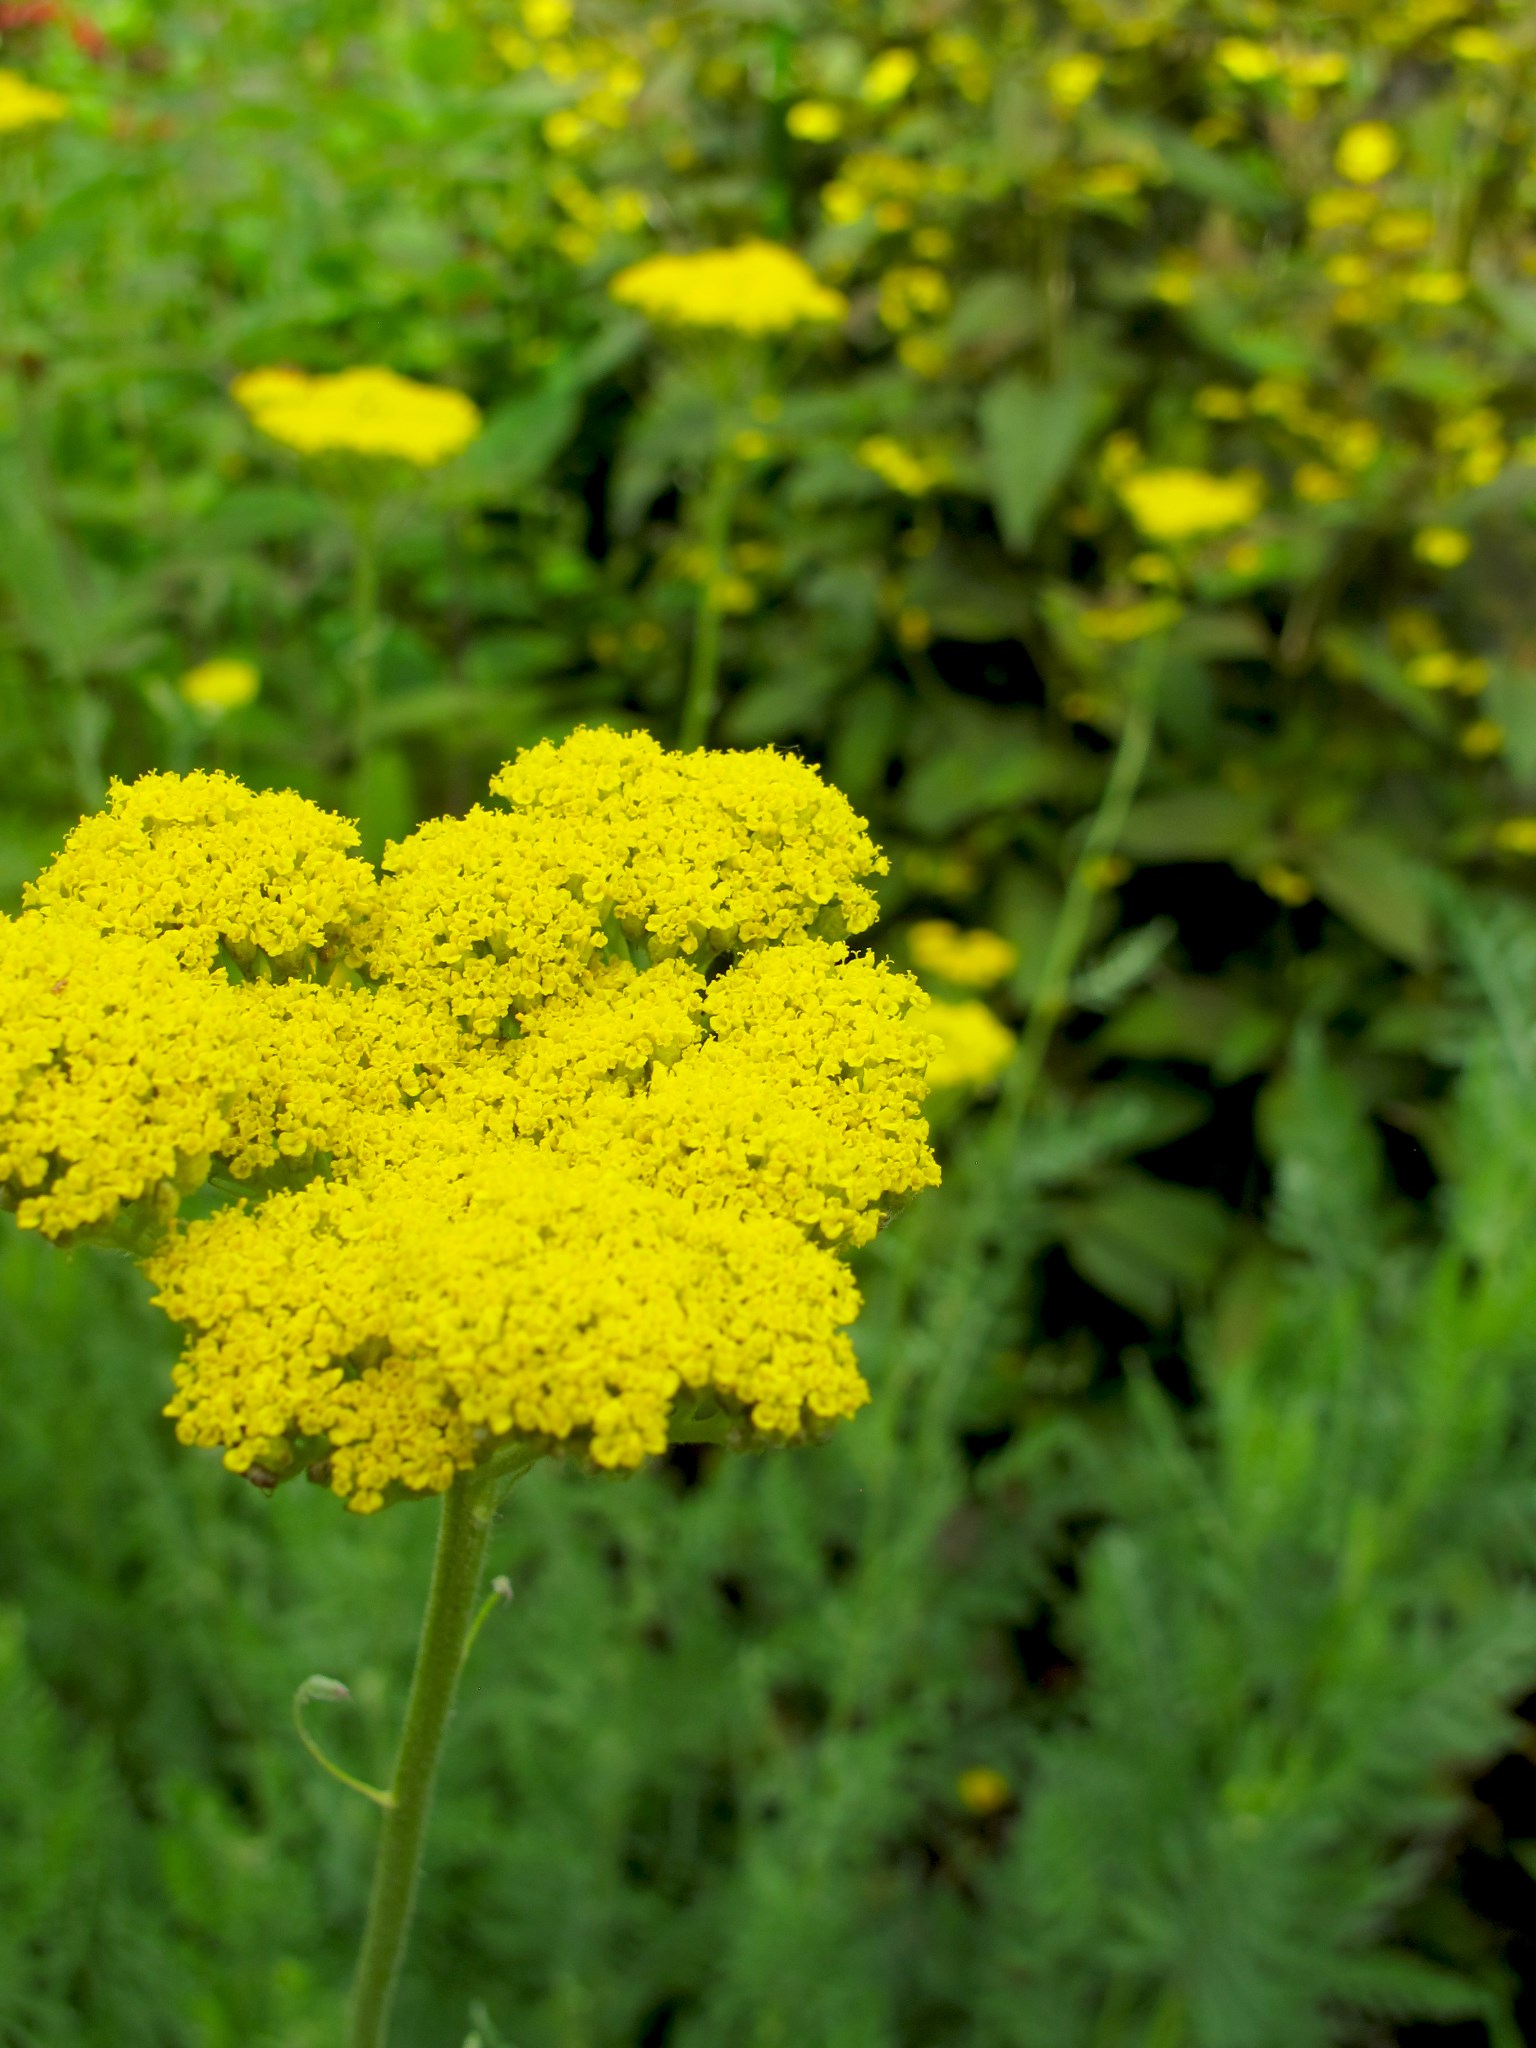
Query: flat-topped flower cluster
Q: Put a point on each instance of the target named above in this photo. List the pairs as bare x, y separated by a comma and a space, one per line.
559, 1122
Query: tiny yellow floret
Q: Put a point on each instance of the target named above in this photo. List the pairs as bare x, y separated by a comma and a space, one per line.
974, 1045
1181, 504
1367, 152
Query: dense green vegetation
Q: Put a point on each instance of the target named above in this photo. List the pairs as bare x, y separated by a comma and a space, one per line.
1143, 1667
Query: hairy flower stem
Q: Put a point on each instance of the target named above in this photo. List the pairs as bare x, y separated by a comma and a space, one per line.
1054, 989
469, 1509
703, 697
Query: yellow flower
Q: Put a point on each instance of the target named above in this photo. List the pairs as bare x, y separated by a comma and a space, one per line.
1516, 835
1480, 46
566, 129
1316, 68
888, 77
1287, 885
814, 121
1436, 287
372, 412
1246, 61
968, 959
225, 684
1482, 738
1072, 80
25, 105
903, 470
546, 19
911, 291
1403, 229
619, 1190
1220, 402
1444, 547
1340, 209
1181, 504
1316, 484
974, 1045
1367, 152
983, 1791
754, 288
1119, 624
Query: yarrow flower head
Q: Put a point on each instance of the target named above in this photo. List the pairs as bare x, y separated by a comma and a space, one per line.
25, 105
755, 288
367, 411
1182, 504
552, 1134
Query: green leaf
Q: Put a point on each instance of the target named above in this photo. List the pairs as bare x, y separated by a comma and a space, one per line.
1032, 433
1376, 887
1194, 824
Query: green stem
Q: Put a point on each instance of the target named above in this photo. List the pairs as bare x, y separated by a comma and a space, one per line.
703, 697
366, 624
468, 1512
1053, 991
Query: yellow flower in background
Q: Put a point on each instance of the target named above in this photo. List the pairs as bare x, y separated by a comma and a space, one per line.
1480, 46
974, 1045
1248, 62
900, 467
983, 1791
814, 121
25, 105
1367, 152
1482, 739
756, 287
969, 959
1516, 835
1443, 547
910, 292
1316, 484
1119, 624
1181, 504
546, 18
1220, 402
1286, 884
1436, 288
888, 77
225, 684
364, 411
1072, 80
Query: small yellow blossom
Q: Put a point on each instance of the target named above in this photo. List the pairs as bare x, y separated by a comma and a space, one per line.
1286, 884
750, 444
888, 77
910, 292
225, 684
1482, 738
1152, 569
1248, 62
1403, 229
370, 412
1516, 835
25, 105
1479, 46
1119, 624
974, 1045
1220, 402
1340, 209
1367, 152
756, 287
814, 121
1436, 287
546, 19
1181, 504
1072, 80
900, 467
968, 959
1244, 558
1316, 484
983, 1791
1443, 547
1314, 69
566, 129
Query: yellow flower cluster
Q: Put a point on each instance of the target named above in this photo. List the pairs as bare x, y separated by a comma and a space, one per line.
561, 1122
359, 412
266, 876
115, 1068
974, 959
25, 105
756, 287
1182, 504
974, 1045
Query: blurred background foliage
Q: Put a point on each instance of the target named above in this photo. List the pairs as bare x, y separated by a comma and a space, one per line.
1143, 1670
